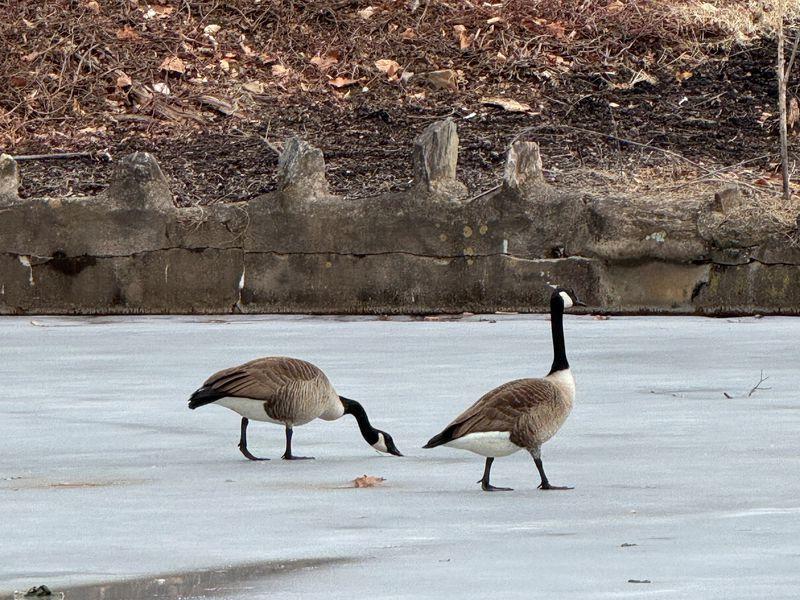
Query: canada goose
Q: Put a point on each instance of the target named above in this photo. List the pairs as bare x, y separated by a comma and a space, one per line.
288, 391
524, 413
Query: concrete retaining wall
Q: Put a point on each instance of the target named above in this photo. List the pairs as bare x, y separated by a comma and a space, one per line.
432, 249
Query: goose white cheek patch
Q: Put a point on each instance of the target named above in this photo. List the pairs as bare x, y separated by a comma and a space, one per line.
567, 300
380, 444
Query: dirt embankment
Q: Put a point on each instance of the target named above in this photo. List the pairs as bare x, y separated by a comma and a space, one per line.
619, 94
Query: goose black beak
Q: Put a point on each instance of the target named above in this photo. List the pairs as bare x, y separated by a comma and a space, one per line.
392, 449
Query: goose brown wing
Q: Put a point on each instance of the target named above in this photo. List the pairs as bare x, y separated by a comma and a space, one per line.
502, 408
263, 378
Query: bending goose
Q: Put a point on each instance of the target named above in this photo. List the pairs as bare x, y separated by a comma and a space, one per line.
520, 414
287, 391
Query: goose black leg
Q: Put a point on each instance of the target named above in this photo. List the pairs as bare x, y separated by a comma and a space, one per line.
243, 442
485, 485
288, 454
545, 485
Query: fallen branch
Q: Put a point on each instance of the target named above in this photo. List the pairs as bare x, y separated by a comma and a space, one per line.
99, 155
615, 138
755, 388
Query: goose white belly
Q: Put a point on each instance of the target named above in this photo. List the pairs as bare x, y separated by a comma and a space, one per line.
249, 408
486, 443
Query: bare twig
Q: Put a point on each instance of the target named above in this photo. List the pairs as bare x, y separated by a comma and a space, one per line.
485, 192
758, 385
616, 138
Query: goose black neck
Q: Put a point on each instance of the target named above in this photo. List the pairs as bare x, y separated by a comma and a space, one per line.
557, 327
368, 432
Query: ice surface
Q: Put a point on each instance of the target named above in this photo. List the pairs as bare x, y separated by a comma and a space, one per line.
106, 475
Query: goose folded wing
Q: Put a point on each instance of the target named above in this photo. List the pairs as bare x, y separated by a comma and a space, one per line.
502, 408
261, 379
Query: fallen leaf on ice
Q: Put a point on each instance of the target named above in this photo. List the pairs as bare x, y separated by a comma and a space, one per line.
173, 64
507, 104
340, 82
366, 481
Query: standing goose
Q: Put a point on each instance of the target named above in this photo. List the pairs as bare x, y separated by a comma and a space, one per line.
287, 391
524, 413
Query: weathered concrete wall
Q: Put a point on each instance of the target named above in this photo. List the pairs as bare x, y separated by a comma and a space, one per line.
432, 249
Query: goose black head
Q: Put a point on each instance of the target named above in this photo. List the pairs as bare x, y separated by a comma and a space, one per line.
380, 440
385, 443
564, 298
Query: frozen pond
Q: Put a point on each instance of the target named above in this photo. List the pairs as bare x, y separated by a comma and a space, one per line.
105, 475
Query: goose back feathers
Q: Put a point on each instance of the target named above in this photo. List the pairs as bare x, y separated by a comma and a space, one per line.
276, 388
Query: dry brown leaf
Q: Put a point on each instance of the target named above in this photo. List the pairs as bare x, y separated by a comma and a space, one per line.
367, 13
442, 79
340, 82
683, 75
211, 29
493, 20
30, 57
366, 481
614, 7
323, 63
556, 28
163, 11
18, 81
507, 104
93, 6
225, 65
256, 87
123, 80
408, 34
127, 33
173, 64
464, 39
279, 71
390, 67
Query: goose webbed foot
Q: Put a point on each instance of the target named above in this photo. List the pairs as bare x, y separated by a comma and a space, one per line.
488, 487
484, 481
243, 442
546, 486
247, 454
293, 457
